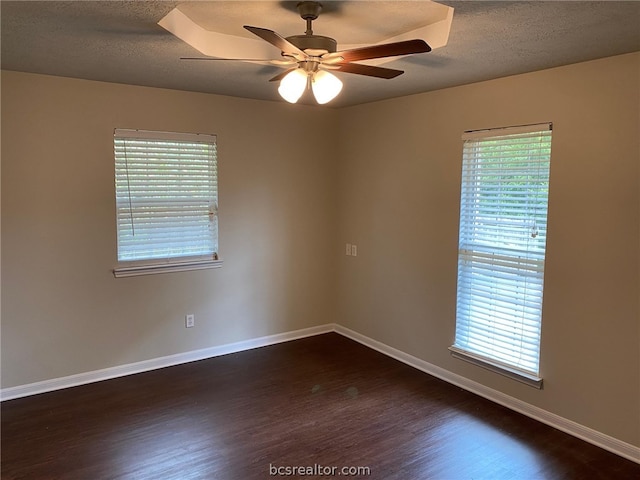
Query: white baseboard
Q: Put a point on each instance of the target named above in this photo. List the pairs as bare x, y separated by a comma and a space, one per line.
587, 434
155, 363
606, 442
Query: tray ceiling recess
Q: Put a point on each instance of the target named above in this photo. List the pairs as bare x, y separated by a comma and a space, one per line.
223, 32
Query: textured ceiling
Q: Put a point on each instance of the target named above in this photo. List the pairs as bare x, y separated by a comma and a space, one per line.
122, 42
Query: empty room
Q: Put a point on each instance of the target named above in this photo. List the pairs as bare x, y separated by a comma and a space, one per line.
362, 239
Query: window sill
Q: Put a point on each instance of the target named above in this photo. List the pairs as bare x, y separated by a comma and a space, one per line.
520, 376
152, 269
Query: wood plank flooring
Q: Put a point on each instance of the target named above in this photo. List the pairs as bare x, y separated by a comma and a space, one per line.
324, 401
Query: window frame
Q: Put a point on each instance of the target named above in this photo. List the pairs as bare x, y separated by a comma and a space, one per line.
463, 348
167, 263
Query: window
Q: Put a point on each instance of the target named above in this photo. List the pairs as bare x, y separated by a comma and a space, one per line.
501, 253
166, 201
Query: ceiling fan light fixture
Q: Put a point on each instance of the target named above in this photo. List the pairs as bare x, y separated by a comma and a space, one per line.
325, 86
293, 85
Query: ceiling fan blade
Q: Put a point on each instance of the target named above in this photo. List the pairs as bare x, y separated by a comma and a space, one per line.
276, 40
285, 61
379, 51
368, 70
228, 59
280, 76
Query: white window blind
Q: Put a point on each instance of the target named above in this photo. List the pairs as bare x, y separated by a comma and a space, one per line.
502, 241
166, 197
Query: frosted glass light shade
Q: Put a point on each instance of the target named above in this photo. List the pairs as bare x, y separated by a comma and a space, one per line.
292, 86
325, 86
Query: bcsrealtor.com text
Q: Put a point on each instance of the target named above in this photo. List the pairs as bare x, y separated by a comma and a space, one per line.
317, 470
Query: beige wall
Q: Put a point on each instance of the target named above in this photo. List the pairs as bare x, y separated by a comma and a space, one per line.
400, 188
63, 312
389, 183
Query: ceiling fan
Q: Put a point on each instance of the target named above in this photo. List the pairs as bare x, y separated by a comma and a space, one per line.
310, 56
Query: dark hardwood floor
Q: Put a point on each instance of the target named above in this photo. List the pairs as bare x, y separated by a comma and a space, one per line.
324, 401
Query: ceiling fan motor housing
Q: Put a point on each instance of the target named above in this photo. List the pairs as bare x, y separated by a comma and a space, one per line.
309, 11
315, 42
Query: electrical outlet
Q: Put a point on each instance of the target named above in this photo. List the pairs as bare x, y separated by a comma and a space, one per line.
190, 320
354, 250
348, 250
